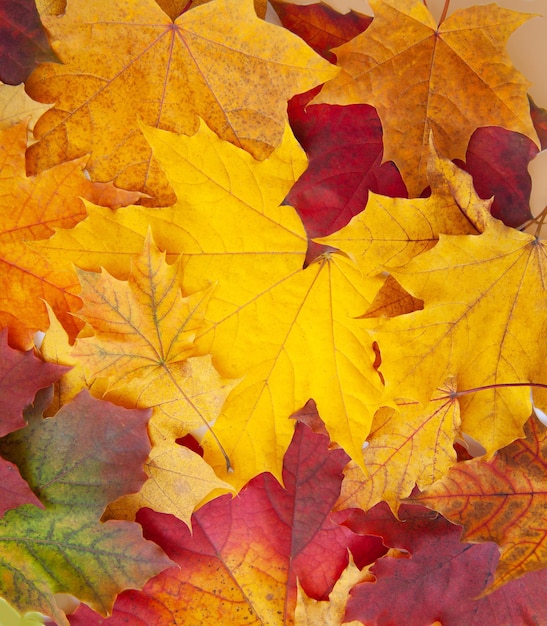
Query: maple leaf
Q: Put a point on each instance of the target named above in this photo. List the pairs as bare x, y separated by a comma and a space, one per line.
310, 612
416, 440
392, 231
143, 345
16, 106
502, 501
450, 78
32, 208
320, 26
242, 559
498, 161
22, 374
23, 42
455, 334
312, 347
194, 66
344, 145
76, 462
143, 339
440, 579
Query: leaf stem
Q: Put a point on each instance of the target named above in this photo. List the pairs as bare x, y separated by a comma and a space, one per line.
445, 11
539, 220
464, 392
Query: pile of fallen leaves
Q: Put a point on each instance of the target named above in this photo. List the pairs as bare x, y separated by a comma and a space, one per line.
255, 298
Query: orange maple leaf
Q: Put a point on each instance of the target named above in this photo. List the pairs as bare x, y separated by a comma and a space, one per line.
164, 73
451, 78
31, 209
503, 501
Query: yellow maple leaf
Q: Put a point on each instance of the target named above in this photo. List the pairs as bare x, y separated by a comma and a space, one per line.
311, 346
143, 339
392, 231
179, 480
310, 612
451, 78
219, 61
413, 445
143, 345
492, 356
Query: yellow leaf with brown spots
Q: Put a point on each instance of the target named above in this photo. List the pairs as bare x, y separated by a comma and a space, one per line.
218, 61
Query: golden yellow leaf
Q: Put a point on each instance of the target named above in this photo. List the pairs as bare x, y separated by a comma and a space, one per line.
492, 355
178, 481
413, 445
218, 61
310, 347
144, 333
451, 78
392, 231
310, 612
143, 345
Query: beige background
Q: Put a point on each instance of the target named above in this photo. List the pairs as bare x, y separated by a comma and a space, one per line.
527, 48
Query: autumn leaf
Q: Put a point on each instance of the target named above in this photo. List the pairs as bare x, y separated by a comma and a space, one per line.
455, 334
32, 207
76, 462
16, 106
241, 561
218, 61
451, 79
344, 145
23, 42
417, 440
22, 374
440, 578
320, 26
312, 340
144, 332
498, 161
539, 118
310, 612
502, 501
392, 231
143, 345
